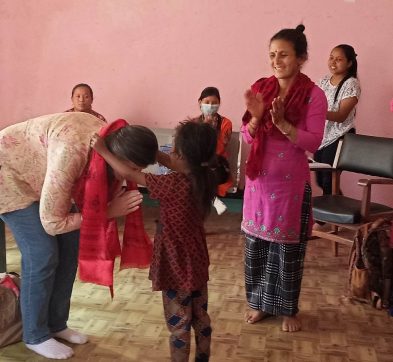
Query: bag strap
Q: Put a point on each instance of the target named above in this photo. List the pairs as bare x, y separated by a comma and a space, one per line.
359, 241
355, 255
8, 282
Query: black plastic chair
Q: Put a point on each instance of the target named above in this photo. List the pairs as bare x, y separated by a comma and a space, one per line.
366, 155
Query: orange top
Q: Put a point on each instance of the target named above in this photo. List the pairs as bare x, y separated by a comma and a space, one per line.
223, 137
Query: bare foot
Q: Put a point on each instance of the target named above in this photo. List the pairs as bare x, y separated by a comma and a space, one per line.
253, 316
291, 324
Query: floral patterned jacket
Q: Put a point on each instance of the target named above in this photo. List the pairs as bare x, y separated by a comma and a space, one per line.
40, 161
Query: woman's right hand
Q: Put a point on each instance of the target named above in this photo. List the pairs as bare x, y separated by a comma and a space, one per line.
124, 202
211, 119
254, 104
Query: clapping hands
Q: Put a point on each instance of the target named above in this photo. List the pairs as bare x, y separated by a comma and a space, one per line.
254, 104
277, 111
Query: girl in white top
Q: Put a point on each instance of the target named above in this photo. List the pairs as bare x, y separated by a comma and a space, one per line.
342, 90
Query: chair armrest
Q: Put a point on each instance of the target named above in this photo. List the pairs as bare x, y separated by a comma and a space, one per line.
366, 184
375, 181
318, 166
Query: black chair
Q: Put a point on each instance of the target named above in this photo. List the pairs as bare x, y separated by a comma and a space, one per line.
367, 155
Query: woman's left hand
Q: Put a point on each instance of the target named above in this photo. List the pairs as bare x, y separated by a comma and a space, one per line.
211, 119
277, 111
124, 202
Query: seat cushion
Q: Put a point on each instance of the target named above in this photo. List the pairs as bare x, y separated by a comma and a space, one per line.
341, 209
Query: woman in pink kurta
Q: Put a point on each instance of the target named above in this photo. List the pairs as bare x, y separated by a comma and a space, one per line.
284, 118
42, 160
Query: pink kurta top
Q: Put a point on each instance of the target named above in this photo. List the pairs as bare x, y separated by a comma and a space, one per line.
273, 201
40, 160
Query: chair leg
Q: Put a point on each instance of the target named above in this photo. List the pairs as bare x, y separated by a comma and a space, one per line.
335, 243
335, 248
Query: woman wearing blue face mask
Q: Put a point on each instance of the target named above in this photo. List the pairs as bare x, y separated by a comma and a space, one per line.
209, 102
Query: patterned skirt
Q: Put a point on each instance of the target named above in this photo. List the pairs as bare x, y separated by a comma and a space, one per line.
273, 271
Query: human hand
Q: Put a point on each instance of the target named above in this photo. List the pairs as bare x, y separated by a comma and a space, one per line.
211, 119
277, 111
124, 202
208, 118
98, 143
254, 104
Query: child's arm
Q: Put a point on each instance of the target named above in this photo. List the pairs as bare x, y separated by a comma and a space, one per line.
167, 161
164, 159
119, 165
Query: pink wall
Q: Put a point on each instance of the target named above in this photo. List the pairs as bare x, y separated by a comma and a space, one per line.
147, 60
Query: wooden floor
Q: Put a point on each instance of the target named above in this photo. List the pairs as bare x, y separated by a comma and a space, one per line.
131, 327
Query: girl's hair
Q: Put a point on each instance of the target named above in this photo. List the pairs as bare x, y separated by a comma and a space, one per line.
207, 92
350, 54
135, 143
196, 143
82, 85
210, 91
218, 125
296, 37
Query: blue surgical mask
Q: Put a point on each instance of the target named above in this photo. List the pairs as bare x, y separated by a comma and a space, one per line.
209, 109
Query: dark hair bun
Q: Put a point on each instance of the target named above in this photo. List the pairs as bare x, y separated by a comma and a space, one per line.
300, 28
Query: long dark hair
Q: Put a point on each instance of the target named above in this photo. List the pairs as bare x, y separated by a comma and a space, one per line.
201, 118
352, 70
196, 143
135, 143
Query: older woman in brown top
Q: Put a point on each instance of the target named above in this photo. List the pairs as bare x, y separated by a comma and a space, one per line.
82, 100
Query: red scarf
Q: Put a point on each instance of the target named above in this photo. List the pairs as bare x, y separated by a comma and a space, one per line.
99, 241
295, 104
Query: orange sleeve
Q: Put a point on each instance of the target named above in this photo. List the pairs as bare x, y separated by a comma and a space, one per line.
224, 137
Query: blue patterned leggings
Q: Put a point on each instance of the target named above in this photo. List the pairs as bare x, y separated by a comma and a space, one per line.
184, 310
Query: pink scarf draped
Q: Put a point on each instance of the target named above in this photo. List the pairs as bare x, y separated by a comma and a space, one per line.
294, 104
99, 241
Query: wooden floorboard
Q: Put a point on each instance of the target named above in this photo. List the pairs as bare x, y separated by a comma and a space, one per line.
132, 328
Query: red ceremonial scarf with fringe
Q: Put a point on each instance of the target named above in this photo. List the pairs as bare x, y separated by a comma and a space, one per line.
99, 240
294, 103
